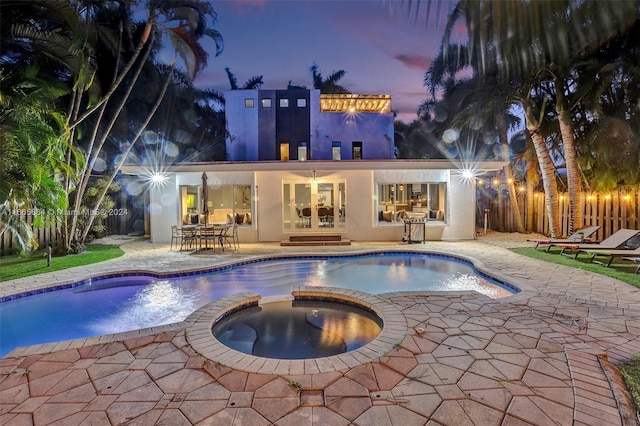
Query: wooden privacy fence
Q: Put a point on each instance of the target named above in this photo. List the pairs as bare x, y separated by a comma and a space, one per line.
612, 211
44, 236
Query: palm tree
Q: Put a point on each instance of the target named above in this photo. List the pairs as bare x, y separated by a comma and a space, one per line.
183, 23
254, 82
33, 138
482, 103
328, 84
516, 39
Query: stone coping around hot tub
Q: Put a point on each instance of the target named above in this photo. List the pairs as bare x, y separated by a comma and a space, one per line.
201, 339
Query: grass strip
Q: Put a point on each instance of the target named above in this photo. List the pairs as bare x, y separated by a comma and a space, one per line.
631, 373
17, 266
621, 270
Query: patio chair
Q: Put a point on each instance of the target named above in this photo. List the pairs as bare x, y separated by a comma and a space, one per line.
232, 238
611, 254
579, 236
190, 237
616, 241
222, 235
207, 234
176, 235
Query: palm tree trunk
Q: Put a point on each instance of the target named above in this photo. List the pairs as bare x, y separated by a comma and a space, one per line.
125, 154
547, 170
114, 86
576, 216
94, 151
504, 148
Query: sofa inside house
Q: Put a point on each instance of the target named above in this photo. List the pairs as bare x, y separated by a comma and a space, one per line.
240, 217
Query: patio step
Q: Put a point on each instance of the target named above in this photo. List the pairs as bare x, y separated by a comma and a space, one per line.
315, 240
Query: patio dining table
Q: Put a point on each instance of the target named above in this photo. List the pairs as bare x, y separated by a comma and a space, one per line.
206, 237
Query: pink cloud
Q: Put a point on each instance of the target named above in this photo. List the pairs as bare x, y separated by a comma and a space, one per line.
414, 61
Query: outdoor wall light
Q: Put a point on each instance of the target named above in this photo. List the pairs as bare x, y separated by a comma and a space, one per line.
314, 180
158, 178
467, 174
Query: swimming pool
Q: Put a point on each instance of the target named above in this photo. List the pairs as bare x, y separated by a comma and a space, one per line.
118, 304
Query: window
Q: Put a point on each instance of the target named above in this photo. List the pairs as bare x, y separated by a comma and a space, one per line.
226, 203
266, 103
284, 103
302, 151
301, 102
356, 151
412, 200
248, 103
335, 150
284, 151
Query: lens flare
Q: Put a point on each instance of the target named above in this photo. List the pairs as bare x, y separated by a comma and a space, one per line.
450, 136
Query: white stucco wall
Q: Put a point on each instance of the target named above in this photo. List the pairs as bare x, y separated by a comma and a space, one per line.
163, 209
361, 196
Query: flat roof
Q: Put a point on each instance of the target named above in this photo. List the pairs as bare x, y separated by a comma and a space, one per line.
479, 167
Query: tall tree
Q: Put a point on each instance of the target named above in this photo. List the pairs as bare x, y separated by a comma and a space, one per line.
328, 84
254, 82
183, 24
516, 39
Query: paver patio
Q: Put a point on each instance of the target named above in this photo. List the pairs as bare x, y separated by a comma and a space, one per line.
538, 357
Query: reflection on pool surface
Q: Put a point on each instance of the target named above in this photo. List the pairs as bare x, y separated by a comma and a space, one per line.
118, 304
298, 329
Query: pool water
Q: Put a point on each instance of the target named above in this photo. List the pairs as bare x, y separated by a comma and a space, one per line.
298, 329
114, 305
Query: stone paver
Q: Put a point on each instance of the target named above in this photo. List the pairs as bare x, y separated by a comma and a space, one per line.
538, 357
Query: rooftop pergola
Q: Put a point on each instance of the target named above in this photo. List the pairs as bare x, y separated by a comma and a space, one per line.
355, 103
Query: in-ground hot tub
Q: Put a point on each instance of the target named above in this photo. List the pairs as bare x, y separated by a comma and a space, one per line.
384, 323
298, 329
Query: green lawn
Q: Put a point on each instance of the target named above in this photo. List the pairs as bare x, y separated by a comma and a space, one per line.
631, 373
621, 270
12, 267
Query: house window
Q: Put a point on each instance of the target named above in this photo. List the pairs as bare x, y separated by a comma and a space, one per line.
284, 151
302, 102
284, 103
248, 102
227, 204
412, 200
356, 151
302, 151
335, 150
266, 103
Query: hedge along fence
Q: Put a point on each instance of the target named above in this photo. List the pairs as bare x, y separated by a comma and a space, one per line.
612, 211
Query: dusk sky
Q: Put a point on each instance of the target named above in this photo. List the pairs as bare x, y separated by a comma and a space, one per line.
384, 47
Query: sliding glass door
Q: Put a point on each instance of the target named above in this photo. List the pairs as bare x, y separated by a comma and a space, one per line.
314, 206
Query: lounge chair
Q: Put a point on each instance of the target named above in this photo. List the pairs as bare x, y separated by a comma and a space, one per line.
634, 259
616, 241
611, 254
576, 237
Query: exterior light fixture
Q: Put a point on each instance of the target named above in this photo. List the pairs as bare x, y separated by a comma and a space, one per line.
314, 180
158, 178
467, 174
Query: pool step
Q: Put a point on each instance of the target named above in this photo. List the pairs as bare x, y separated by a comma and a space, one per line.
316, 240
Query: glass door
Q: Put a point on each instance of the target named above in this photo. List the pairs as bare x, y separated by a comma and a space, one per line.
316, 207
